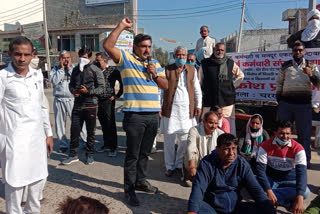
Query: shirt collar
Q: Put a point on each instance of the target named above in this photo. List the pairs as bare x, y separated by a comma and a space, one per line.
12, 72
138, 58
275, 143
296, 64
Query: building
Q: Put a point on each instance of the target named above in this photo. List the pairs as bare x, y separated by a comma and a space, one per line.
258, 40
297, 19
74, 24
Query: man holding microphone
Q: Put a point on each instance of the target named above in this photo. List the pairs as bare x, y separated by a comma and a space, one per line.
141, 77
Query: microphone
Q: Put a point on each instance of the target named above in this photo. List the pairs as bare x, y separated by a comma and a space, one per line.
148, 60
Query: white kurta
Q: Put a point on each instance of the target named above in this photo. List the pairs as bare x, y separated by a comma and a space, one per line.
207, 43
179, 121
24, 125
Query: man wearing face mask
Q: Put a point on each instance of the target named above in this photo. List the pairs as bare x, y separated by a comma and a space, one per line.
294, 94
310, 36
86, 84
282, 169
107, 103
181, 104
218, 87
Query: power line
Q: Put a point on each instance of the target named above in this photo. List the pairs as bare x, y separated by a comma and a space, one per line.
26, 16
181, 14
19, 17
187, 16
190, 8
13, 14
2, 12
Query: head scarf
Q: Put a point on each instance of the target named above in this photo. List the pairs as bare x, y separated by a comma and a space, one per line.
312, 28
257, 136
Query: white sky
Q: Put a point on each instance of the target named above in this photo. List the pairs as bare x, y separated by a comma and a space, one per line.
23, 11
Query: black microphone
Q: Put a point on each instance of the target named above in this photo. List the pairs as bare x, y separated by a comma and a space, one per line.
148, 60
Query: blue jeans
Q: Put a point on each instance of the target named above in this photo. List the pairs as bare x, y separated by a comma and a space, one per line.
302, 115
286, 192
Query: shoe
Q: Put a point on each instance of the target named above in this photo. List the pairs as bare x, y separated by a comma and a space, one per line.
168, 173
131, 198
112, 154
103, 149
146, 187
63, 150
89, 160
153, 150
70, 160
187, 183
180, 173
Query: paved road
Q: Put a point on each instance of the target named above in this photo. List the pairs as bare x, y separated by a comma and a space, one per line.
104, 179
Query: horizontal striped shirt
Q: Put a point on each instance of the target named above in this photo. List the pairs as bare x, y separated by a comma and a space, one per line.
139, 90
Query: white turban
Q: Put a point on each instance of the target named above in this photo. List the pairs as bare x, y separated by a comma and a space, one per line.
312, 13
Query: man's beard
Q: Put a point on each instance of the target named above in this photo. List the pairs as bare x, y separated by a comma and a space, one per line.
219, 56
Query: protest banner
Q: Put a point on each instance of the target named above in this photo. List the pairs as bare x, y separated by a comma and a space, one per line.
261, 69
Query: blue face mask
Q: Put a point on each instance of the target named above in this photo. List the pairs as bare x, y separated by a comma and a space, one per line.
282, 143
180, 62
190, 63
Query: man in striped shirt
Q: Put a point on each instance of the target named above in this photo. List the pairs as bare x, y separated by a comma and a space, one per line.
141, 77
282, 169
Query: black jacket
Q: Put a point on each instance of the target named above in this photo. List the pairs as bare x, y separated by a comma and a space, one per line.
92, 78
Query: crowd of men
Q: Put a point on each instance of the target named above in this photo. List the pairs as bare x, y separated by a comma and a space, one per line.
196, 109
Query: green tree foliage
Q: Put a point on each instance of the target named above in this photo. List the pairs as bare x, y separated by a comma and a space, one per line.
160, 55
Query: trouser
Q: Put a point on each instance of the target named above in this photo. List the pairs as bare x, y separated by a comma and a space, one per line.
141, 129
63, 108
25, 192
106, 115
13, 196
79, 116
302, 115
172, 158
242, 208
286, 192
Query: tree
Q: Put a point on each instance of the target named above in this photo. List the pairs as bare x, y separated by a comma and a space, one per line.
160, 55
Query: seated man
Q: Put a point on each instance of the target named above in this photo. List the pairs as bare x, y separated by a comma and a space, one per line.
202, 139
282, 169
219, 178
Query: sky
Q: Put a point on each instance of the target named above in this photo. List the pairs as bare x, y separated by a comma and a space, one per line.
221, 16
9, 11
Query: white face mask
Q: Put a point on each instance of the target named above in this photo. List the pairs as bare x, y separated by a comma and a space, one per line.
34, 63
83, 62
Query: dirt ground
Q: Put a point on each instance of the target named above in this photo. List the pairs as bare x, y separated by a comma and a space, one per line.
104, 179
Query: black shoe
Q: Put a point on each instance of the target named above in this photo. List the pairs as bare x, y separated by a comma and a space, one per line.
146, 187
131, 198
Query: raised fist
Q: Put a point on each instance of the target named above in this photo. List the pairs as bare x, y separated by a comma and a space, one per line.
126, 22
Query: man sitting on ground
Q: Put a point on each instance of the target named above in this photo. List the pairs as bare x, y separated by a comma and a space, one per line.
202, 139
219, 178
282, 169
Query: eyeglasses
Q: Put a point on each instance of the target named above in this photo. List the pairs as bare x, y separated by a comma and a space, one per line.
296, 50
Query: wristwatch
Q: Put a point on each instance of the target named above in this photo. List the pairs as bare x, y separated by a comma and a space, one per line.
155, 78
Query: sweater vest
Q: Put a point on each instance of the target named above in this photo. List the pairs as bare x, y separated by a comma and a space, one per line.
216, 91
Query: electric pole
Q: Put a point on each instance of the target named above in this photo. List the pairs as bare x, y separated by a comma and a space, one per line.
46, 36
312, 4
241, 23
